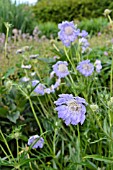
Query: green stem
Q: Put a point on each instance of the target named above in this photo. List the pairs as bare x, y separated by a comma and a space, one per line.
5, 153
34, 113
111, 78
44, 110
69, 59
54, 140
30, 162
79, 155
17, 149
7, 146
101, 126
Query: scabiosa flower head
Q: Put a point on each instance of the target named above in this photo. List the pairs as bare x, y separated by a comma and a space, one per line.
38, 144
61, 69
85, 67
71, 109
39, 88
98, 66
68, 32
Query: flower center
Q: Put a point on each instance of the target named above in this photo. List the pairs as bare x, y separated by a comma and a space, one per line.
62, 68
73, 106
68, 30
86, 67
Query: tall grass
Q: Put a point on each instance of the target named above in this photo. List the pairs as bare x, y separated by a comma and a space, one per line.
20, 16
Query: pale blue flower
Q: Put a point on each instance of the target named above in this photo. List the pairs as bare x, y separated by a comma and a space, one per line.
84, 44
71, 109
39, 89
61, 69
38, 144
85, 68
98, 66
68, 32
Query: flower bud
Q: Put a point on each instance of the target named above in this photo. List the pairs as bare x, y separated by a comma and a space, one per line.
107, 12
8, 85
94, 107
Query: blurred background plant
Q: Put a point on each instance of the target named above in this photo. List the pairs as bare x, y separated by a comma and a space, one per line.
21, 16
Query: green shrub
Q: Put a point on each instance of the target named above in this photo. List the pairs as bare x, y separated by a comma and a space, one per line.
93, 25
50, 29
58, 11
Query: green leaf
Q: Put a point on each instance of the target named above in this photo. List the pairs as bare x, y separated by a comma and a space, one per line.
47, 60
9, 72
3, 111
14, 116
100, 158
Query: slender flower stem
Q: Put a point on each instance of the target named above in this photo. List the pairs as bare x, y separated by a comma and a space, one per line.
111, 78
17, 149
54, 140
101, 126
5, 153
44, 110
30, 162
7, 146
7, 25
34, 113
69, 59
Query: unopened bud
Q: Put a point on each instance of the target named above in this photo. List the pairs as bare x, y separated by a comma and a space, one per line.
94, 107
107, 12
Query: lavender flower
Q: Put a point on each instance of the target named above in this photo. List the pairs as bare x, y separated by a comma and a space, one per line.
84, 44
68, 32
71, 109
83, 33
85, 67
35, 82
61, 69
98, 66
33, 139
39, 88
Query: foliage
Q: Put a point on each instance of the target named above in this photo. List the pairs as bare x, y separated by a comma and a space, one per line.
49, 29
94, 25
20, 17
58, 11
